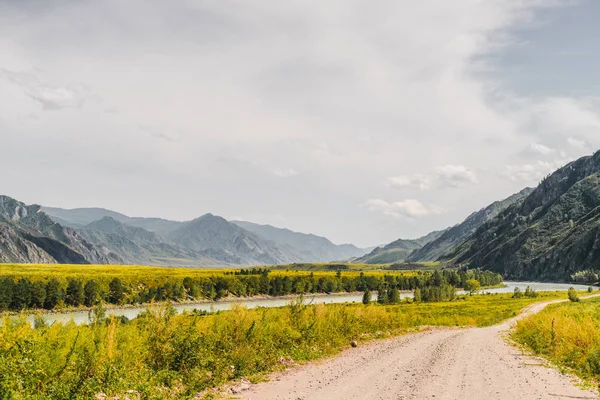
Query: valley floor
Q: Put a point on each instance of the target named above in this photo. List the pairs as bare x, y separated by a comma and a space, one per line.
474, 363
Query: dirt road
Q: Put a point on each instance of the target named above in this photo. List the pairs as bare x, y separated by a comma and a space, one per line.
474, 363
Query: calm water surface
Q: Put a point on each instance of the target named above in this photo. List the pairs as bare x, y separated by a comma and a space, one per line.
82, 317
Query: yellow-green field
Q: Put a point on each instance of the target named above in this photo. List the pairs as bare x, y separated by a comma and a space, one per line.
129, 273
568, 334
165, 356
420, 266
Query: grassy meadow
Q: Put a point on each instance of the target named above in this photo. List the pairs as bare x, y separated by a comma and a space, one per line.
567, 334
161, 355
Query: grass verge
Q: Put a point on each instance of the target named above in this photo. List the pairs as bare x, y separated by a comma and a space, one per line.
567, 334
161, 355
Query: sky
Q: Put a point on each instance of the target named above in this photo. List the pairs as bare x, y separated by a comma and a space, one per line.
360, 121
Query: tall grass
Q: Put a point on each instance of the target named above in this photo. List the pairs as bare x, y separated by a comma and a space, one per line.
161, 355
568, 334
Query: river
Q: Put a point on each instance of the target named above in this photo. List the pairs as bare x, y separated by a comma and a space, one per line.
82, 317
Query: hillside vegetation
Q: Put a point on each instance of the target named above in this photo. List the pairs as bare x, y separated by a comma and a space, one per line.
550, 235
398, 251
456, 235
161, 355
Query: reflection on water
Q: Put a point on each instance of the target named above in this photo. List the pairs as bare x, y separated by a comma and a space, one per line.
82, 317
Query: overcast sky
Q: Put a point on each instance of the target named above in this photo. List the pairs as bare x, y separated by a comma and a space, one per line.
363, 121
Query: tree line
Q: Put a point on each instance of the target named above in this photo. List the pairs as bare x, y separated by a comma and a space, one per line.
22, 293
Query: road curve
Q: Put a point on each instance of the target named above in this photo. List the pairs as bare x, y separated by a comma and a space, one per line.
473, 363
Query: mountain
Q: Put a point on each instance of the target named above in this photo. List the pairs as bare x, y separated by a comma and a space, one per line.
221, 241
397, 251
136, 245
80, 217
227, 242
309, 247
549, 235
454, 236
28, 235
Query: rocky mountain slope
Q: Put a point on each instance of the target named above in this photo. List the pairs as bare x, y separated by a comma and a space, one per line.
80, 217
241, 243
30, 236
397, 251
220, 239
138, 246
549, 235
457, 234
309, 247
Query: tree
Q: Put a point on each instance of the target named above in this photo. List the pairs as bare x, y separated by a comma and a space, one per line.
116, 291
382, 295
517, 294
472, 286
590, 289
573, 295
394, 296
529, 292
21, 294
92, 293
74, 295
417, 295
38, 294
366, 297
54, 294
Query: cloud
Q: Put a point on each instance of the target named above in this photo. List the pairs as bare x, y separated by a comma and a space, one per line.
284, 172
541, 149
534, 172
454, 176
269, 103
577, 143
409, 208
49, 96
168, 135
419, 181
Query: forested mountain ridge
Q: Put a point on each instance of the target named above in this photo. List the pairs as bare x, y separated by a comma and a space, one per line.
397, 251
456, 235
549, 235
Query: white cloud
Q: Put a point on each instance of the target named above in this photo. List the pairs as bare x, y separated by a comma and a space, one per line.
446, 176
541, 149
284, 172
455, 176
577, 143
50, 97
409, 208
419, 181
532, 173
338, 94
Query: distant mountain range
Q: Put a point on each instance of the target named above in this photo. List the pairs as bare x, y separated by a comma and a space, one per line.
546, 233
206, 241
397, 251
309, 247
